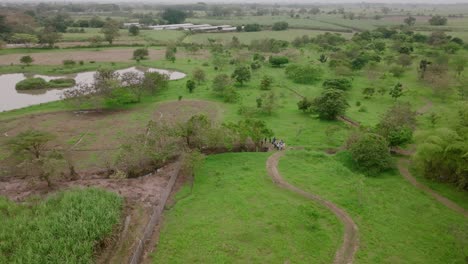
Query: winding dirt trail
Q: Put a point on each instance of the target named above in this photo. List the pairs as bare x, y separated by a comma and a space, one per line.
346, 252
403, 168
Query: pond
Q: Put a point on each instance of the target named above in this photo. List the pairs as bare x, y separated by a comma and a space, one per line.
11, 99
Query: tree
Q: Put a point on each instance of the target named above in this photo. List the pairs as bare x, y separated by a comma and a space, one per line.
170, 53
278, 61
140, 54
460, 64
155, 81
253, 129
280, 26
265, 83
410, 21
423, 65
110, 30
304, 74
190, 85
438, 21
26, 60
330, 104
323, 58
340, 84
252, 28
30, 149
397, 124
134, 30
370, 152
304, 105
49, 36
26, 39
396, 91
174, 16
269, 102
199, 75
404, 60
220, 82
241, 74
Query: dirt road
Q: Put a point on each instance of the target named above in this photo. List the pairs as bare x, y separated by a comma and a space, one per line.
346, 252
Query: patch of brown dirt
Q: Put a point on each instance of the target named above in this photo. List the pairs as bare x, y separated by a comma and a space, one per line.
98, 55
180, 111
346, 252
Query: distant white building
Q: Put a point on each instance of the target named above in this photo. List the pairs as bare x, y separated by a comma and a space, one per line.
192, 27
127, 25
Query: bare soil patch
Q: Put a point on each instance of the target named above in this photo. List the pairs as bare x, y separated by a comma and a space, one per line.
99, 55
180, 111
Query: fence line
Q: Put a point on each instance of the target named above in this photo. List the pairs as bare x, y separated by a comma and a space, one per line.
155, 217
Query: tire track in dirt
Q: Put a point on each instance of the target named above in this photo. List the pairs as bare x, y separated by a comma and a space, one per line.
350, 245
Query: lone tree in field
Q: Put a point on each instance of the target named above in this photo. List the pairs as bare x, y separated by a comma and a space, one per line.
330, 104
199, 75
396, 91
49, 36
140, 54
110, 30
29, 148
438, 21
190, 85
134, 30
241, 74
410, 21
370, 152
27, 60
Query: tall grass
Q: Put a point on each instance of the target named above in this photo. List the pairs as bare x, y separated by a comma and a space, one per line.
65, 228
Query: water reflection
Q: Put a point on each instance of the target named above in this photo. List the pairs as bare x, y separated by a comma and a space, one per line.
11, 99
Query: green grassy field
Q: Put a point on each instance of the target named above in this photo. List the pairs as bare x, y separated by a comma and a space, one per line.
64, 227
397, 223
235, 214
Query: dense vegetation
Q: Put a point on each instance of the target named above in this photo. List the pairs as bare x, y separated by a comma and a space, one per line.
67, 226
40, 83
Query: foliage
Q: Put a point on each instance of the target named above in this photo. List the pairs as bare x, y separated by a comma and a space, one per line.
397, 124
268, 45
281, 25
140, 54
134, 30
252, 28
340, 84
32, 84
371, 153
304, 74
26, 60
66, 226
278, 61
396, 91
251, 129
265, 83
438, 20
220, 82
190, 85
330, 104
410, 21
49, 36
241, 74
199, 75
174, 16
110, 30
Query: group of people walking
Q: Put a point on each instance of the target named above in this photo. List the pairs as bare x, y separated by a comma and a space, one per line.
278, 144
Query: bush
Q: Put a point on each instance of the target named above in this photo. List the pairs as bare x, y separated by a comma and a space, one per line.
252, 27
140, 54
370, 152
280, 26
69, 63
340, 84
304, 74
278, 61
32, 84
330, 104
121, 96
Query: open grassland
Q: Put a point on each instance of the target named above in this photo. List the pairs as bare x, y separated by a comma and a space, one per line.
396, 222
67, 226
235, 214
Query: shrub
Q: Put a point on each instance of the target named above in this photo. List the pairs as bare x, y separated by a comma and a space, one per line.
121, 96
304, 74
69, 63
252, 27
26, 60
140, 54
266, 82
280, 26
340, 84
32, 84
330, 104
241, 74
278, 61
370, 152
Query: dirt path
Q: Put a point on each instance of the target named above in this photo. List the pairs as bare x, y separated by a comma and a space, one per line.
403, 168
345, 253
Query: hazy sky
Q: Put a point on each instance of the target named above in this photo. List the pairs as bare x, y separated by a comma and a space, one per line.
250, 1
